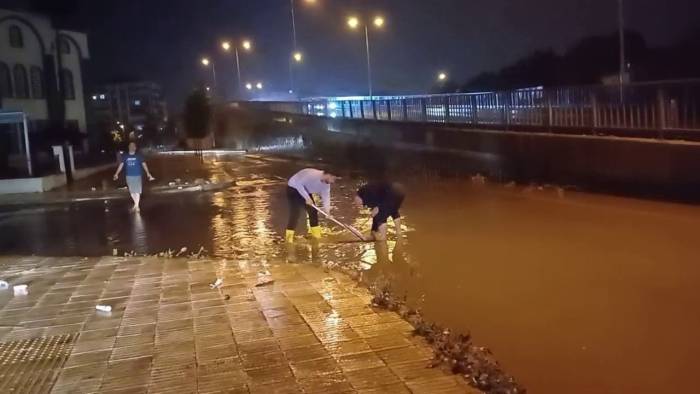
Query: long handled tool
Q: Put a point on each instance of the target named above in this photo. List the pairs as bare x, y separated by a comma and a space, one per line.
353, 230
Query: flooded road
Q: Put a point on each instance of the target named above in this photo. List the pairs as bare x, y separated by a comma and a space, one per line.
573, 292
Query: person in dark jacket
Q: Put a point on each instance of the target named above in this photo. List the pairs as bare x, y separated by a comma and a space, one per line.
385, 199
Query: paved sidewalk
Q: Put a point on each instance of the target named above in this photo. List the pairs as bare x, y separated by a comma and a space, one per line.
309, 331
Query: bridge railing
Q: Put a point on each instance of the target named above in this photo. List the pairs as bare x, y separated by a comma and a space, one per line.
659, 106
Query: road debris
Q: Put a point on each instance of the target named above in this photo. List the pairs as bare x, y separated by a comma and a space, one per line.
475, 363
104, 308
217, 284
20, 290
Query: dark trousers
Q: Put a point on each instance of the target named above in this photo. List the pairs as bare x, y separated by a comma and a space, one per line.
296, 205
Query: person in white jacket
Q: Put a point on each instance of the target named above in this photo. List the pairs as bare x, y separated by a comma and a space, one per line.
300, 189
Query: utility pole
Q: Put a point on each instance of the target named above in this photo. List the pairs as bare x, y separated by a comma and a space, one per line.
621, 27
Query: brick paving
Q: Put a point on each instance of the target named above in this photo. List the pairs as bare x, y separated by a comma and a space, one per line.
168, 332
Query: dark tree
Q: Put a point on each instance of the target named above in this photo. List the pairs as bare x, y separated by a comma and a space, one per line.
197, 115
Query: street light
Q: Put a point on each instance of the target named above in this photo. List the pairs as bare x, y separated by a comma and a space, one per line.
259, 85
378, 22
442, 76
249, 86
247, 46
206, 63
296, 55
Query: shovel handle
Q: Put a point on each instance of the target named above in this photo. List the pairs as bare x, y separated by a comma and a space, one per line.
353, 230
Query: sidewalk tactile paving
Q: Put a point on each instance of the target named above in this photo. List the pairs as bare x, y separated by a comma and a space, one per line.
169, 332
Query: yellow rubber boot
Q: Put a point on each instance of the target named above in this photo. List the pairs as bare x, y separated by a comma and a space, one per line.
315, 232
289, 236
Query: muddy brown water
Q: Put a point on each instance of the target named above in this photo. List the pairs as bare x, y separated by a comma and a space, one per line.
573, 292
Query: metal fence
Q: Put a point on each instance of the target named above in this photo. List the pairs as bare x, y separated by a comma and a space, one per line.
658, 106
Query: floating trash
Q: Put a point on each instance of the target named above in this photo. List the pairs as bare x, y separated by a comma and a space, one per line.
4, 285
104, 308
475, 363
217, 284
21, 290
182, 251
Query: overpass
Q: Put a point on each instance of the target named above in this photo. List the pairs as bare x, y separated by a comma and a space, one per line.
642, 137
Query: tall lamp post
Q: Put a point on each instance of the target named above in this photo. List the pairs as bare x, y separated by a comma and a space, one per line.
621, 32
296, 55
354, 23
206, 63
247, 46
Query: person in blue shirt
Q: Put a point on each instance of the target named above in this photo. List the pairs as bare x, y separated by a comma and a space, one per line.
133, 164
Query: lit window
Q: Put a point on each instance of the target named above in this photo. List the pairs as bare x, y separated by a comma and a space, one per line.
102, 97
137, 102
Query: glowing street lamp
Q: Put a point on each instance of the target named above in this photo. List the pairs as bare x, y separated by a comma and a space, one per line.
442, 76
249, 86
259, 85
247, 46
206, 63
298, 57
353, 22
378, 22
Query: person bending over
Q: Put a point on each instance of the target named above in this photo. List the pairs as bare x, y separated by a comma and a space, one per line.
299, 190
385, 199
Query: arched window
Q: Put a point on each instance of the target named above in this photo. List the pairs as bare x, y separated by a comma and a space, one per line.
5, 81
16, 39
68, 84
21, 84
37, 77
64, 45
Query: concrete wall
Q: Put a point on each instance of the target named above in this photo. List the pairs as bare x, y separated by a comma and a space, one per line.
625, 165
32, 185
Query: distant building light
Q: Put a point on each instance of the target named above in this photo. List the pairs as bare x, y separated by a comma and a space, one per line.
94, 97
139, 127
137, 102
102, 97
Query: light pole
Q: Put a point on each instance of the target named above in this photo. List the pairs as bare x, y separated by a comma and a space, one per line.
296, 55
621, 28
206, 63
247, 46
378, 22
442, 76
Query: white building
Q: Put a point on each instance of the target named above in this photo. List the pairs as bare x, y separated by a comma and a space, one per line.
41, 71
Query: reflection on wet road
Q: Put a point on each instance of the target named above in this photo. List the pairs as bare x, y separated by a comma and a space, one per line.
573, 292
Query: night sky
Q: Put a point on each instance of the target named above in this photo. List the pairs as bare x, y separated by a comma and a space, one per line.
163, 40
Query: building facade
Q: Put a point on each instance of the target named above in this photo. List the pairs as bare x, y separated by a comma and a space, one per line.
138, 106
41, 71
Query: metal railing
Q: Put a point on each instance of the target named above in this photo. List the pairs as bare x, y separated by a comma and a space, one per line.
655, 107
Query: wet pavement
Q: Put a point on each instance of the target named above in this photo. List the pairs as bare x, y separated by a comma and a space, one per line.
573, 292
169, 331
